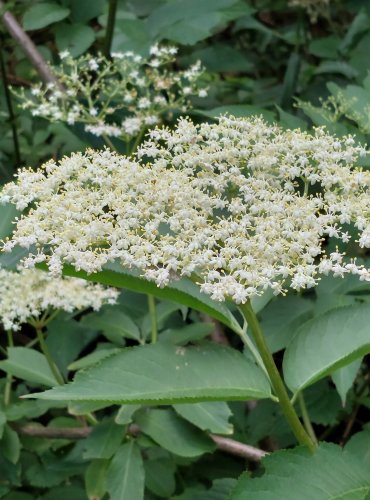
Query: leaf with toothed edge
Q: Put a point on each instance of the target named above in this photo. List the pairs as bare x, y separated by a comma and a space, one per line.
166, 374
182, 291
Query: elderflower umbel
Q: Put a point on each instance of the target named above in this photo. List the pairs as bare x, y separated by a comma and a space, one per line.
30, 293
141, 89
239, 206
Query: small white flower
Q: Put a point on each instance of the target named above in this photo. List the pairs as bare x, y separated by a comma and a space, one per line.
64, 54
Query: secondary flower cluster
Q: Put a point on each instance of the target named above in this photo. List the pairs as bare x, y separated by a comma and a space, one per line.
238, 205
314, 8
30, 293
118, 97
339, 107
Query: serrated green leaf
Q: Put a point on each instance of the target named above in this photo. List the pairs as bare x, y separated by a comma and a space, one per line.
189, 333
125, 475
104, 441
212, 416
8, 213
95, 357
53, 470
66, 339
84, 10
10, 445
189, 21
344, 378
359, 445
290, 121
329, 474
290, 79
84, 407
30, 409
2, 423
160, 477
76, 38
40, 15
173, 433
325, 344
183, 291
63, 492
340, 67
95, 478
125, 414
220, 490
359, 25
28, 364
281, 318
326, 47
165, 374
114, 324
323, 403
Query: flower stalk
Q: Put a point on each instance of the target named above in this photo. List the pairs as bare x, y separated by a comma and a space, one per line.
275, 378
53, 367
153, 318
9, 378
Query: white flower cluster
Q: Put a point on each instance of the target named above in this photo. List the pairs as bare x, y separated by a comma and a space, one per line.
118, 97
238, 205
28, 294
338, 107
314, 8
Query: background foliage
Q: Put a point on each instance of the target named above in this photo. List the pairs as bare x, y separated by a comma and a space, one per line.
153, 437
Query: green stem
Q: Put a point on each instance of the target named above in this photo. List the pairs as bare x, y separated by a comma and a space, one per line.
10, 109
276, 381
9, 378
306, 187
137, 141
109, 143
110, 27
46, 352
248, 342
153, 318
306, 418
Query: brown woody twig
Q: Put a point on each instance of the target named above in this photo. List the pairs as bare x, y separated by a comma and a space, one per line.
224, 444
25, 42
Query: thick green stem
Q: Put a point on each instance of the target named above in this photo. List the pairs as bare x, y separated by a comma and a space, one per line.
110, 27
153, 318
249, 343
306, 418
9, 378
276, 381
46, 352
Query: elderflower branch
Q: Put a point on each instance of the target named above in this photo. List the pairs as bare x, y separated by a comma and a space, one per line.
121, 96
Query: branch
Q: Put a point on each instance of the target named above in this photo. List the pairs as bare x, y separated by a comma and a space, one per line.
17, 32
53, 432
224, 444
218, 335
239, 449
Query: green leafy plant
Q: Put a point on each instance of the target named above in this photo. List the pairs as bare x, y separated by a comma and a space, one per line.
214, 344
